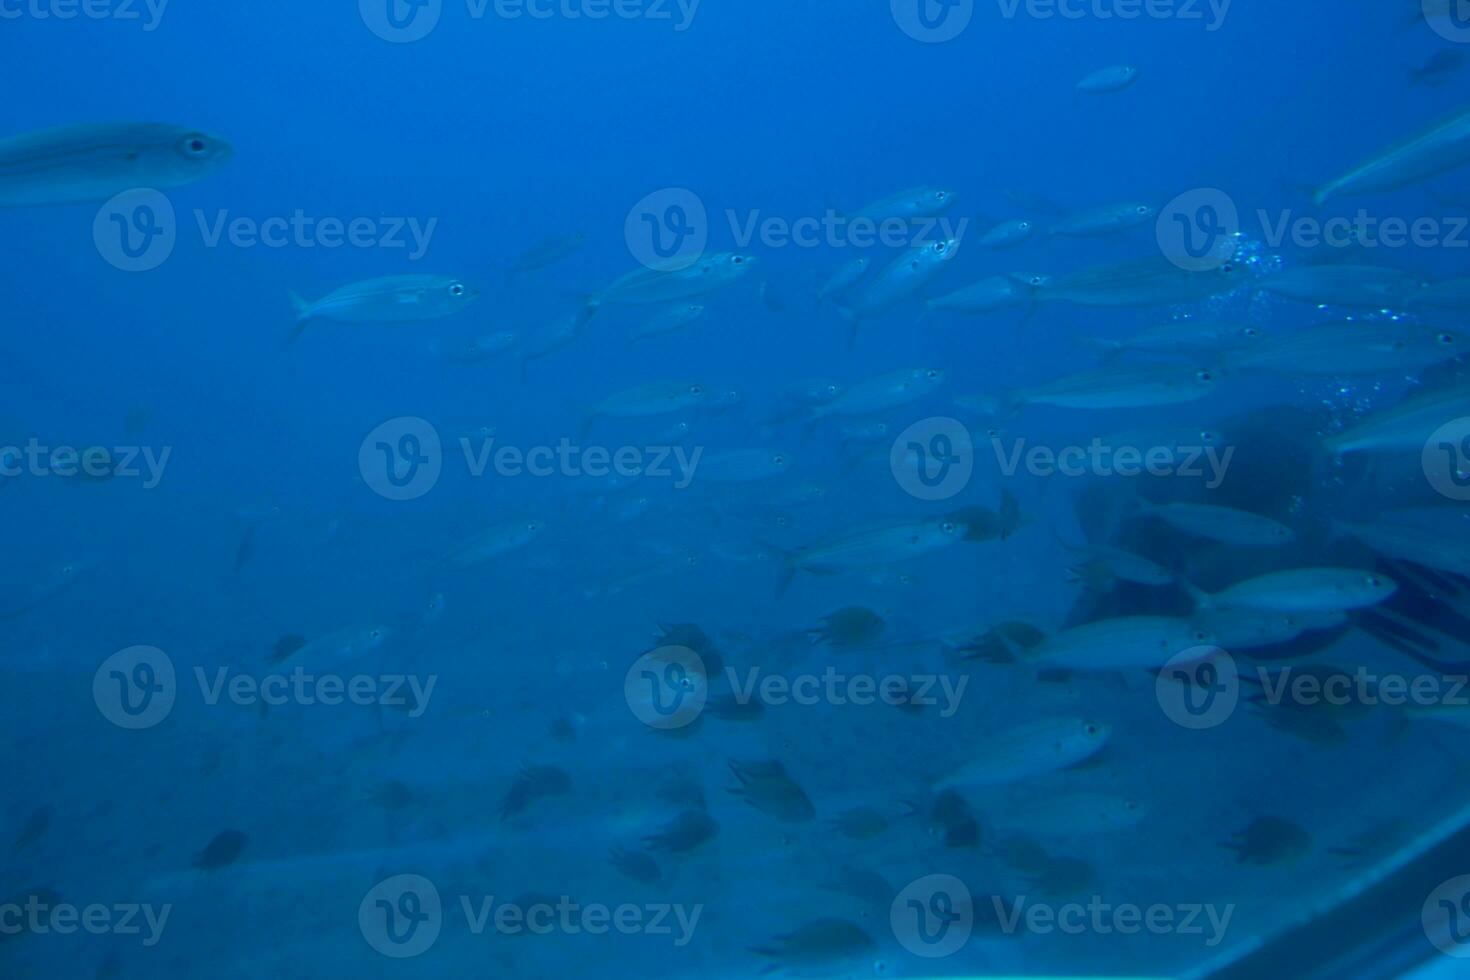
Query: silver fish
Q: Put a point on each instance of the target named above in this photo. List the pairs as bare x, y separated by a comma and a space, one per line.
709, 274
1007, 233
986, 296
1149, 282
392, 299
918, 202
1438, 150
1107, 220
1224, 524
1350, 348
881, 393
1404, 427
903, 277
669, 321
1104, 80
870, 546
95, 161
478, 350
843, 279
1126, 387
1357, 286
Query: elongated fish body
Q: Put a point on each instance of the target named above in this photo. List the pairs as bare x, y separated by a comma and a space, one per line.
1031, 750
876, 545
1324, 590
1151, 282
1440, 149
1119, 644
918, 202
547, 252
742, 466
1450, 295
1007, 233
1107, 220
659, 398
1224, 524
846, 277
1113, 79
882, 393
95, 161
1429, 547
1247, 629
496, 541
667, 322
986, 296
1127, 566
392, 299
903, 277
1129, 387
709, 274
1188, 337
479, 350
1350, 348
1404, 427
1359, 286
343, 646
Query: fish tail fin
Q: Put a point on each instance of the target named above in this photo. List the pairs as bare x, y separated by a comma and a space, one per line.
1197, 595
303, 317
787, 572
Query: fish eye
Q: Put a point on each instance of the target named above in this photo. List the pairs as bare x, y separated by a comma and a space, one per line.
696, 390
1091, 729
1205, 376
948, 527
375, 634
1251, 332
1374, 582
931, 373
779, 460
1228, 268
195, 146
1446, 338
739, 260
533, 526
1024, 226
456, 290
1143, 209
1200, 636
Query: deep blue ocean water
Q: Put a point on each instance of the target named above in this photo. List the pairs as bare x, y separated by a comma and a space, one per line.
275, 516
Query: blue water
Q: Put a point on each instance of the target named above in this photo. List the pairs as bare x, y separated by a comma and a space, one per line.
272, 513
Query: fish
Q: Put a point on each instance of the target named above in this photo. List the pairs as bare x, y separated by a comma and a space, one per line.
900, 280
392, 299
1124, 387
880, 394
819, 948
52, 583
221, 852
1395, 537
1106, 220
917, 202
658, 398
1007, 233
766, 786
1349, 348
1185, 337
1105, 80
1121, 565
1325, 590
478, 350
669, 321
90, 162
1439, 149
1437, 69
343, 646
1025, 752
854, 626
869, 546
990, 295
1406, 426
1120, 643
644, 285
546, 252
742, 466
1142, 283
1447, 295
1245, 629
531, 784
495, 542
1356, 286
848, 275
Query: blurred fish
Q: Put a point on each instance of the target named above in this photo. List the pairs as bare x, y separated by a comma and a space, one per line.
476, 351
1070, 814
1417, 543
880, 394
1186, 337
95, 161
1106, 220
845, 278
797, 399
766, 786
918, 202
1007, 233
820, 948
1437, 69
1349, 348
869, 546
556, 336
1027, 751
685, 833
900, 280
531, 784
636, 866
1123, 387
546, 252
1147, 642
1105, 80
1150, 282
221, 852
1223, 524
658, 398
1117, 565
1407, 426
986, 296
35, 828
343, 646
1270, 841
667, 322
1325, 590
495, 542
742, 466
1440, 149
52, 583
644, 285
392, 299
1355, 286
1251, 629
855, 626
1447, 295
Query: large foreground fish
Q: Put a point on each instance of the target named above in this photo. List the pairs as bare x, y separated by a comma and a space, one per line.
1442, 148
95, 161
